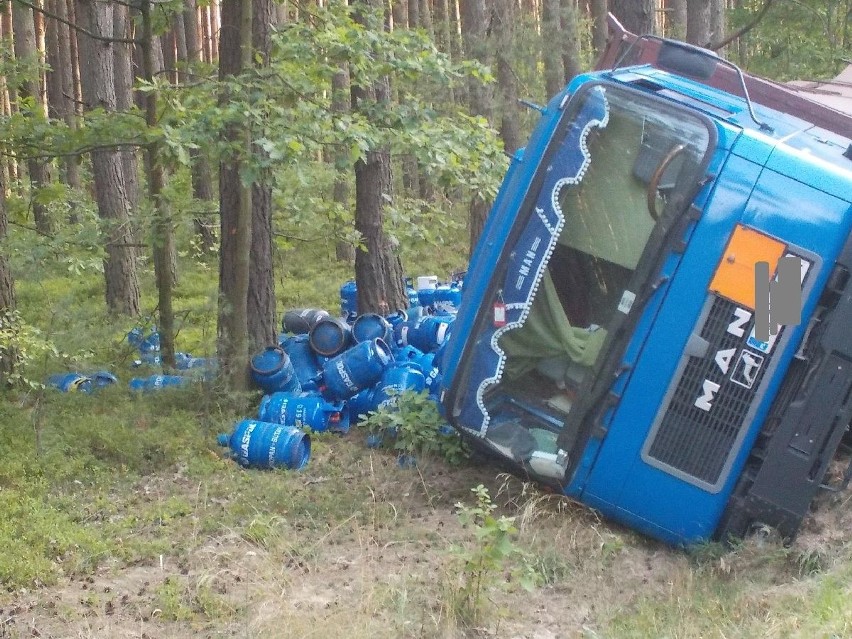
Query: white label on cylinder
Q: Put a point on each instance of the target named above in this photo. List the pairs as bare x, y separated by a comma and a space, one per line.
427, 282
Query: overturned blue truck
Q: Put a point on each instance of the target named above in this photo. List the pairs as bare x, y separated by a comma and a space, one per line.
608, 343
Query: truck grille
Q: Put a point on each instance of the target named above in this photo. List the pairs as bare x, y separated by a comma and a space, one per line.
699, 427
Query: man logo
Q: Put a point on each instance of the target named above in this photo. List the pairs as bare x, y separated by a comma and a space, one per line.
777, 302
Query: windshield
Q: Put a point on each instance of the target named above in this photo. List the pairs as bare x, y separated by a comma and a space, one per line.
619, 164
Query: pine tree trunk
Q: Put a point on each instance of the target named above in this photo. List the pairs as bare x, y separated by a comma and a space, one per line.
400, 14
123, 69
570, 39
98, 75
598, 11
262, 325
7, 293
551, 36
507, 84
378, 269
181, 52
64, 99
25, 49
718, 21
235, 209
677, 19
475, 21
215, 30
698, 22
74, 48
637, 16
162, 233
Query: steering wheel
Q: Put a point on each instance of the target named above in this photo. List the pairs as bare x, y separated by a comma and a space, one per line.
654, 183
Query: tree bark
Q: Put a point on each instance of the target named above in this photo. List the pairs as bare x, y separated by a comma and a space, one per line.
378, 269
235, 209
163, 240
262, 327
636, 15
551, 37
7, 292
475, 23
400, 14
507, 84
98, 74
124, 76
718, 21
598, 11
698, 28
570, 39
25, 49
676, 18
74, 48
64, 98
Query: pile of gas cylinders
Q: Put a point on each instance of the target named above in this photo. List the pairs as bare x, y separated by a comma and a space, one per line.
327, 372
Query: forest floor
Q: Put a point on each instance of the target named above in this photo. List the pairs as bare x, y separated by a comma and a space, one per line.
153, 533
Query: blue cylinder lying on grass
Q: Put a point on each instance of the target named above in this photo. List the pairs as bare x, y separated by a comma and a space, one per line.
304, 411
157, 382
355, 369
398, 377
330, 336
301, 320
272, 370
258, 444
304, 360
71, 382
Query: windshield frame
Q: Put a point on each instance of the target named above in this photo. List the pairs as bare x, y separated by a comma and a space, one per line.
660, 243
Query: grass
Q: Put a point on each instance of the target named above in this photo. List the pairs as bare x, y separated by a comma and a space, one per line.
121, 516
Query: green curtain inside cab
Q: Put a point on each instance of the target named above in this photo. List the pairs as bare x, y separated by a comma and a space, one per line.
606, 217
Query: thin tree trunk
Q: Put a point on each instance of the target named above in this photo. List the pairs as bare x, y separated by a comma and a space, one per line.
192, 35
598, 12
10, 93
74, 48
698, 28
98, 75
65, 100
677, 19
181, 52
235, 208
215, 21
262, 327
25, 50
718, 22
163, 241
551, 38
400, 14
636, 15
507, 84
414, 14
123, 69
570, 39
8, 355
475, 22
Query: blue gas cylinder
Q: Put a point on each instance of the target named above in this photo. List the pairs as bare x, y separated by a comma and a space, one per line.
263, 445
411, 293
137, 384
360, 405
398, 377
426, 334
301, 320
426, 285
135, 336
406, 354
356, 369
397, 317
103, 378
433, 383
187, 362
150, 344
304, 360
370, 326
157, 382
447, 299
330, 336
304, 411
272, 371
71, 382
349, 299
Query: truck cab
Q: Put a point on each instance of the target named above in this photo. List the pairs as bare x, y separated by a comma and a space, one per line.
611, 340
